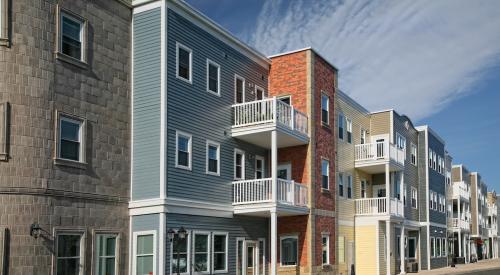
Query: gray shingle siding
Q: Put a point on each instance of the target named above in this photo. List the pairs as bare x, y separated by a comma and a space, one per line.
191, 109
146, 105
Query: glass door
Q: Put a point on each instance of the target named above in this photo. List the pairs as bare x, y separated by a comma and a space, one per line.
251, 257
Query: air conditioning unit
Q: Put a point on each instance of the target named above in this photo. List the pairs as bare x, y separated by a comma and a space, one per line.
412, 267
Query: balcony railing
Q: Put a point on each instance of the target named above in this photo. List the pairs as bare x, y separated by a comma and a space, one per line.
260, 191
378, 206
458, 223
270, 110
460, 190
379, 151
492, 210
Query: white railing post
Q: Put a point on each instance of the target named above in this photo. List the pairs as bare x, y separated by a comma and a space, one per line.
275, 110
294, 190
292, 120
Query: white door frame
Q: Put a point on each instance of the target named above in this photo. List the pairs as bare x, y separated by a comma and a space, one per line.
288, 167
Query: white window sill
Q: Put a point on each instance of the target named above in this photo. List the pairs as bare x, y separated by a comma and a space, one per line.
215, 94
184, 79
71, 60
183, 167
70, 163
213, 173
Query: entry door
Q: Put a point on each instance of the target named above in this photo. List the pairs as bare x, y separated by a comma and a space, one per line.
379, 147
350, 256
378, 191
251, 258
285, 171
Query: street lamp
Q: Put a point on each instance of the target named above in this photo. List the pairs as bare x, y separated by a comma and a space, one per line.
181, 235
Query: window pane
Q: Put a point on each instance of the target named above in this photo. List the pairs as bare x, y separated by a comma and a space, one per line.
289, 247
239, 90
144, 265
71, 28
70, 150
201, 243
212, 152
71, 39
184, 63
212, 78
219, 243
68, 266
212, 166
68, 245
219, 261
182, 263
183, 144
145, 244
183, 158
200, 262
70, 130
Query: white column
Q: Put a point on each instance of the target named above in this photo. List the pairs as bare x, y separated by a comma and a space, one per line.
402, 191
387, 188
388, 246
402, 249
274, 241
459, 243
274, 165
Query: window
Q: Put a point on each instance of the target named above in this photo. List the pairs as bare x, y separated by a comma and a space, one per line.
239, 89
349, 186
433, 248
106, 253
434, 156
213, 77
70, 253
181, 262
438, 247
325, 174
72, 32
259, 167
219, 252
286, 99
414, 197
4, 22
430, 157
400, 141
398, 245
363, 189
184, 62
341, 185
259, 93
405, 191
341, 126
325, 248
439, 164
349, 130
325, 101
412, 247
183, 151
213, 157
71, 138
289, 250
200, 253
363, 136
239, 164
413, 154
443, 247
144, 251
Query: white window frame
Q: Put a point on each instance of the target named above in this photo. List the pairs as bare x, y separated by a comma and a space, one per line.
226, 234
348, 126
405, 194
134, 249
327, 236
433, 247
362, 137
188, 255
263, 168
434, 156
209, 251
341, 182
235, 89
239, 151
264, 259
414, 195
363, 185
214, 144
438, 247
81, 136
83, 241
181, 46
258, 88
327, 173
414, 154
341, 118
398, 245
190, 148
95, 257
414, 252
349, 185
323, 95
210, 62
281, 249
444, 248
401, 142
430, 157
83, 36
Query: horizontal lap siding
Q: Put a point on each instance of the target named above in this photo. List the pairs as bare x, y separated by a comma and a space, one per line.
193, 110
146, 105
380, 123
437, 182
149, 222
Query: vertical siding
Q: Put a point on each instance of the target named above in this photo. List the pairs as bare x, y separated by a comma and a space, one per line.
146, 105
193, 110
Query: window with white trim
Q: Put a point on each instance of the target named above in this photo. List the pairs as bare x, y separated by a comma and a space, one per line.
363, 136
412, 247
213, 158
434, 157
259, 167
433, 248
239, 89
413, 154
183, 154
184, 62
398, 245
438, 247
340, 126
144, 253
213, 77
219, 252
106, 253
72, 36
443, 247
180, 260
430, 157
71, 142
325, 174
201, 262
70, 253
401, 142
405, 192
414, 196
325, 248
341, 185
349, 186
349, 130
259, 93
239, 164
363, 189
289, 250
325, 102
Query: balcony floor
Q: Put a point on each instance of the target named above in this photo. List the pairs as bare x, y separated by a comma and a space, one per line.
377, 166
260, 135
264, 209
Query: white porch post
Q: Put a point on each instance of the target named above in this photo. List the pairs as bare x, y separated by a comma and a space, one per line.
402, 249
402, 192
459, 243
274, 165
274, 241
388, 246
387, 189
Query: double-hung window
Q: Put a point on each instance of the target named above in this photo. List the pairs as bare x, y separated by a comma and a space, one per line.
71, 145
106, 254
363, 136
325, 174
363, 189
405, 191
70, 253
184, 62
201, 252
438, 247
183, 151
341, 184
239, 164
219, 252
430, 157
413, 154
213, 77
144, 253
349, 186
325, 101
349, 130
414, 197
213, 158
289, 251
239, 89
401, 142
340, 123
259, 167
180, 259
443, 247
434, 156
325, 248
433, 248
72, 29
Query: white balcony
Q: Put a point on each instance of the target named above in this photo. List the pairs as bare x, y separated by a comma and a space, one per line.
254, 121
460, 190
491, 210
255, 197
379, 207
456, 223
372, 157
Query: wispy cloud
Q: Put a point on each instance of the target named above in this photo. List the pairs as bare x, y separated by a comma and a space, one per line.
415, 56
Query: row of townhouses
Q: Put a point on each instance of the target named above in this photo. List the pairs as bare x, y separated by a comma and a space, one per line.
139, 137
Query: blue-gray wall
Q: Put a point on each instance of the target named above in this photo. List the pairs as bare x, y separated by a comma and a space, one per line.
149, 222
146, 105
442, 261
191, 109
437, 181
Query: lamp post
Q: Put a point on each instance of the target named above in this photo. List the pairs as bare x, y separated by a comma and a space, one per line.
181, 235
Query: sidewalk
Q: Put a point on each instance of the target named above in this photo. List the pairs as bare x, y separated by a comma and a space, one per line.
466, 268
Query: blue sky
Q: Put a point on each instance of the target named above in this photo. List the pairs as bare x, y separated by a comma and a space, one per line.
436, 61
